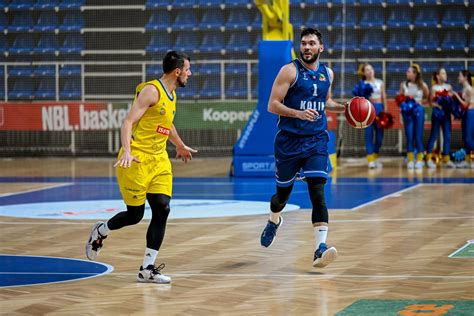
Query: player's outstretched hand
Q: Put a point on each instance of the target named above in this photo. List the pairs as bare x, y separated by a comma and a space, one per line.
185, 153
125, 161
308, 115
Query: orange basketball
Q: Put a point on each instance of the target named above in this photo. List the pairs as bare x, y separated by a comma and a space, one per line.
360, 112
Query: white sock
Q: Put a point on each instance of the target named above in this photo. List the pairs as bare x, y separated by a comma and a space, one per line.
320, 234
104, 229
149, 257
275, 217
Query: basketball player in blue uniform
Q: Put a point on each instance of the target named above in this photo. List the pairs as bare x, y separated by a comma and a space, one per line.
300, 96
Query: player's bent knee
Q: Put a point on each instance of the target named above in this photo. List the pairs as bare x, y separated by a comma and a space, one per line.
316, 188
316, 180
318, 200
135, 214
320, 216
279, 200
276, 205
159, 203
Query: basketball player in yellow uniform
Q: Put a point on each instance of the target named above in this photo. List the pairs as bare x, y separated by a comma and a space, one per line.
143, 166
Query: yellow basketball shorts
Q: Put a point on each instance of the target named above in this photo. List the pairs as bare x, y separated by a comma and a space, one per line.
152, 175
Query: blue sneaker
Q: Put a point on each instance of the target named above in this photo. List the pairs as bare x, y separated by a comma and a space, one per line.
324, 256
269, 233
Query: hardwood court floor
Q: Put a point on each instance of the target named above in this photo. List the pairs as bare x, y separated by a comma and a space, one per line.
395, 248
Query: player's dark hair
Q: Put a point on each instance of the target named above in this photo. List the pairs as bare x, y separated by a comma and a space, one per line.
310, 31
173, 60
468, 76
434, 78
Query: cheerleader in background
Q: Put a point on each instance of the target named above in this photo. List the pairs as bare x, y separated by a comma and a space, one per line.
414, 89
467, 104
440, 117
372, 89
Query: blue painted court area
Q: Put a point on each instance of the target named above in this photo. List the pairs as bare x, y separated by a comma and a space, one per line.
341, 193
33, 270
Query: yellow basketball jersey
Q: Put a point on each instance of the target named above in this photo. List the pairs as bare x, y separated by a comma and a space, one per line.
151, 132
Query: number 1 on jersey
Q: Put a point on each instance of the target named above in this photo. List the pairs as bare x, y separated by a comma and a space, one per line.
315, 92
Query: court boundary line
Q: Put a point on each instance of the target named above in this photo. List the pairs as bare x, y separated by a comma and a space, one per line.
257, 275
72, 222
251, 183
386, 196
64, 184
459, 250
308, 275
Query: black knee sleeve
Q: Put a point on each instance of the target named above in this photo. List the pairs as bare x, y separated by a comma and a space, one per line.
159, 203
160, 209
279, 200
316, 194
133, 215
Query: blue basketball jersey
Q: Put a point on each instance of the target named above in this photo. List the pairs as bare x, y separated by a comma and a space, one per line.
308, 91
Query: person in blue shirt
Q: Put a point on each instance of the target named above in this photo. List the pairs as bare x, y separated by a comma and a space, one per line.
300, 96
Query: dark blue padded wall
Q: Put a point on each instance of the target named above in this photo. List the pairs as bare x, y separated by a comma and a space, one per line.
253, 152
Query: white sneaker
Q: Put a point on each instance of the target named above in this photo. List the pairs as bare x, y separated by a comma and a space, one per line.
419, 165
372, 165
324, 256
411, 165
462, 165
95, 242
378, 164
151, 274
449, 164
431, 164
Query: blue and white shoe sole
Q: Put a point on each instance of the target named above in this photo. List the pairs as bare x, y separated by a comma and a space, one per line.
328, 256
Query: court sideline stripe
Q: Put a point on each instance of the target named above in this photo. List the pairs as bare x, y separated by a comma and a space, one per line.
63, 222
239, 275
396, 193
36, 190
459, 250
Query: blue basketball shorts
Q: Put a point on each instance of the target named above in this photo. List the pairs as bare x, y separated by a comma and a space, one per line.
295, 152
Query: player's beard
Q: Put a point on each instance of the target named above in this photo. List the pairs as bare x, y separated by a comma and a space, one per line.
311, 60
181, 84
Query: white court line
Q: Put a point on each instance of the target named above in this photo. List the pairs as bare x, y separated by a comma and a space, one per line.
257, 222
55, 273
405, 190
236, 194
305, 192
266, 183
329, 183
386, 196
459, 250
35, 190
443, 184
312, 276
273, 275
